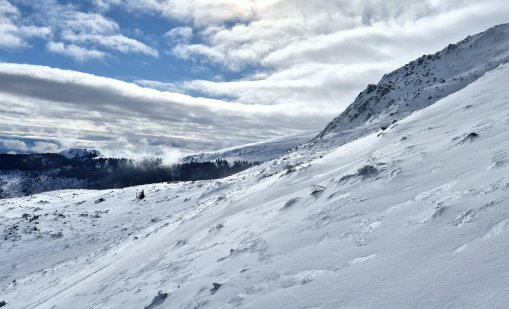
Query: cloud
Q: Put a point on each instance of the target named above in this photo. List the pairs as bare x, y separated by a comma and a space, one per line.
322, 53
161, 86
90, 29
14, 33
69, 31
197, 12
45, 147
78, 53
201, 51
314, 85
180, 34
102, 112
104, 5
17, 145
87, 23
113, 42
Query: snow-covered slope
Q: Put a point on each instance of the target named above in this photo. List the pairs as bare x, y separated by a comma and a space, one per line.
20, 183
419, 84
254, 152
415, 217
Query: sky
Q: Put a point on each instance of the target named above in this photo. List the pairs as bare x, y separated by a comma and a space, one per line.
168, 77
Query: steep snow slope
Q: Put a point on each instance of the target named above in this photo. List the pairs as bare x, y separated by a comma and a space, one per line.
415, 217
419, 84
254, 152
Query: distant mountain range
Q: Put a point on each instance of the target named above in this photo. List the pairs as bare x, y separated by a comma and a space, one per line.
78, 168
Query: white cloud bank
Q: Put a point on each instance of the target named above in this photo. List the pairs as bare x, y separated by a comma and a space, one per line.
46, 103
312, 54
322, 53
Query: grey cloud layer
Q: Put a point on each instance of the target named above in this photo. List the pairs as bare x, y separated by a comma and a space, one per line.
43, 101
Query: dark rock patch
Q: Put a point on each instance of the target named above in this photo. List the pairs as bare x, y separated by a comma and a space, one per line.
158, 300
216, 286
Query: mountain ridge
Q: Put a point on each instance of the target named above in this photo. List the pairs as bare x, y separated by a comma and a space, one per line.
418, 84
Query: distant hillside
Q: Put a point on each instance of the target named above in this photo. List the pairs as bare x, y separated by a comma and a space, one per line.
26, 174
254, 152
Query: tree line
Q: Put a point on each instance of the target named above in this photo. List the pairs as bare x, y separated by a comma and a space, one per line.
108, 173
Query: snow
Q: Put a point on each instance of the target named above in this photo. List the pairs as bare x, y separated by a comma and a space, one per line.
411, 217
254, 152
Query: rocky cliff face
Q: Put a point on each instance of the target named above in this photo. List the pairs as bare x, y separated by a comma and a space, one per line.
419, 84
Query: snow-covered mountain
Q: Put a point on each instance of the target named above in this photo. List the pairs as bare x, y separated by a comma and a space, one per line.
77, 168
254, 152
412, 217
419, 84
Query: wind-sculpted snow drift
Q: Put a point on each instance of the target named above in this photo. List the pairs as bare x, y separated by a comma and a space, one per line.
254, 152
414, 216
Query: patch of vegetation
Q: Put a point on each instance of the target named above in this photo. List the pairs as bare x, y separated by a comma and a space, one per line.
107, 173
